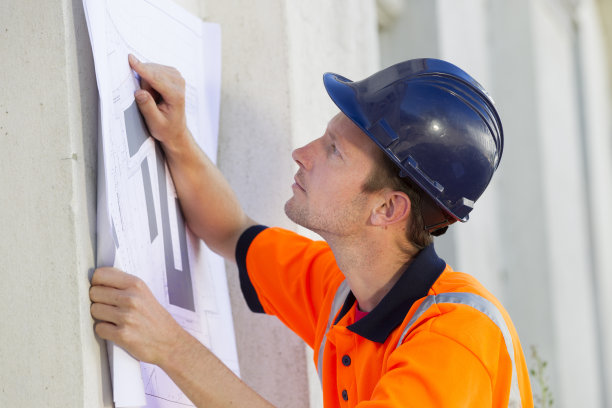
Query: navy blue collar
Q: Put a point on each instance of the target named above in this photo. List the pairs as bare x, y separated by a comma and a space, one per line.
414, 284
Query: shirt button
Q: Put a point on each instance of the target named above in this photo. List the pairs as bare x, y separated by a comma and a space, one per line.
344, 395
346, 360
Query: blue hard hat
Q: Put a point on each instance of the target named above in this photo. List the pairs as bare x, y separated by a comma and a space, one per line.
435, 122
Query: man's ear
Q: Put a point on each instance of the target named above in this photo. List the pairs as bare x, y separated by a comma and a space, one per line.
393, 207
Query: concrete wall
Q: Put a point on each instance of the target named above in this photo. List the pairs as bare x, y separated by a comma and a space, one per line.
48, 354
596, 77
562, 175
274, 53
538, 237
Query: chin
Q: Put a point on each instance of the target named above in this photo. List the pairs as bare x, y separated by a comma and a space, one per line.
296, 214
290, 210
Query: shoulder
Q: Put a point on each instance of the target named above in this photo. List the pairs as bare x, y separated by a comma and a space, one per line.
461, 310
277, 257
453, 281
457, 302
277, 239
279, 246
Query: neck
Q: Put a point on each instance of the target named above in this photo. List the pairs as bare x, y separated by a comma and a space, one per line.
371, 266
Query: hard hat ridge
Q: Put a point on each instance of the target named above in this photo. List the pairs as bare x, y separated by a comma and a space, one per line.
435, 122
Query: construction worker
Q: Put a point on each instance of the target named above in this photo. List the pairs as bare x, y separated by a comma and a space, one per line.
411, 150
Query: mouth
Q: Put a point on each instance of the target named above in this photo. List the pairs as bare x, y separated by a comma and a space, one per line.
297, 184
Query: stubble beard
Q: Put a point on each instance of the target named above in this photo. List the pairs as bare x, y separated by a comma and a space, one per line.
334, 222
297, 214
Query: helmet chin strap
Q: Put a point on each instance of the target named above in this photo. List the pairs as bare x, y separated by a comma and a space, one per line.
435, 220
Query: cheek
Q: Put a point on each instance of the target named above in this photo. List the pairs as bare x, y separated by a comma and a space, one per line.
344, 192
335, 185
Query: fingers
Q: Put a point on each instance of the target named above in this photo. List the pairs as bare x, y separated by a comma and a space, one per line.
145, 86
149, 108
114, 294
104, 294
123, 298
116, 334
107, 331
127, 313
118, 303
161, 101
113, 277
165, 80
105, 313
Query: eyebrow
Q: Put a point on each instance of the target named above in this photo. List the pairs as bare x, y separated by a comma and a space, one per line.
339, 145
334, 140
332, 136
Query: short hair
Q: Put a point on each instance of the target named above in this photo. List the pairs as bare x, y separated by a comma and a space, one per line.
386, 175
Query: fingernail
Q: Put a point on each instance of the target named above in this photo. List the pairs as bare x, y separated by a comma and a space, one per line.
140, 96
133, 59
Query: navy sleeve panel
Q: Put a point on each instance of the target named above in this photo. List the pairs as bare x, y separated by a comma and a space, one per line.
248, 291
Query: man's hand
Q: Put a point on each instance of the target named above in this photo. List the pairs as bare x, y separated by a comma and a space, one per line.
130, 316
161, 100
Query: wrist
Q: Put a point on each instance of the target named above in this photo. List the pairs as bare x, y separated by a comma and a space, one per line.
179, 145
176, 352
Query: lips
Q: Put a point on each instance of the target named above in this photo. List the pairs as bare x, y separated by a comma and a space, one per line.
298, 181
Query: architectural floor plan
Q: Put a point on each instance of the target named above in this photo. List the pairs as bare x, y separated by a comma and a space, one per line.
140, 225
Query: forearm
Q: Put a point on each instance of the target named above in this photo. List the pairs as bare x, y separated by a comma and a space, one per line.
205, 380
209, 204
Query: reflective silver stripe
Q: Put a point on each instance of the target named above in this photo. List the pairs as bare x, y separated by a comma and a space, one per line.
487, 308
339, 298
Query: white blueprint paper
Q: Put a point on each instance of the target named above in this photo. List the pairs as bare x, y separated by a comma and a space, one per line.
140, 225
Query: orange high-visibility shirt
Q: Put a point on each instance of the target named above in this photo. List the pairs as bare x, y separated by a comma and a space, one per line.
437, 339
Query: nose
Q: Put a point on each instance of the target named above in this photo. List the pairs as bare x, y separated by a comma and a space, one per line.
303, 156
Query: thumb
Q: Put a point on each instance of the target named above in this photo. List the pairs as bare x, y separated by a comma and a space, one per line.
152, 115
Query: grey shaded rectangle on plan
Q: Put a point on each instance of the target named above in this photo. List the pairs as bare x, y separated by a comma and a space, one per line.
146, 182
180, 290
135, 128
148, 192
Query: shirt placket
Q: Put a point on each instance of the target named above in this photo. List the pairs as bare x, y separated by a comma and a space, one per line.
344, 356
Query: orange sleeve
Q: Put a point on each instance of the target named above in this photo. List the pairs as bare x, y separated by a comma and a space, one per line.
288, 276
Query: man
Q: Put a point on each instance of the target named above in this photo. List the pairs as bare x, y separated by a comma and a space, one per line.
390, 323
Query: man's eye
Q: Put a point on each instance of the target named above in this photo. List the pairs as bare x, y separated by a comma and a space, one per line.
333, 148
